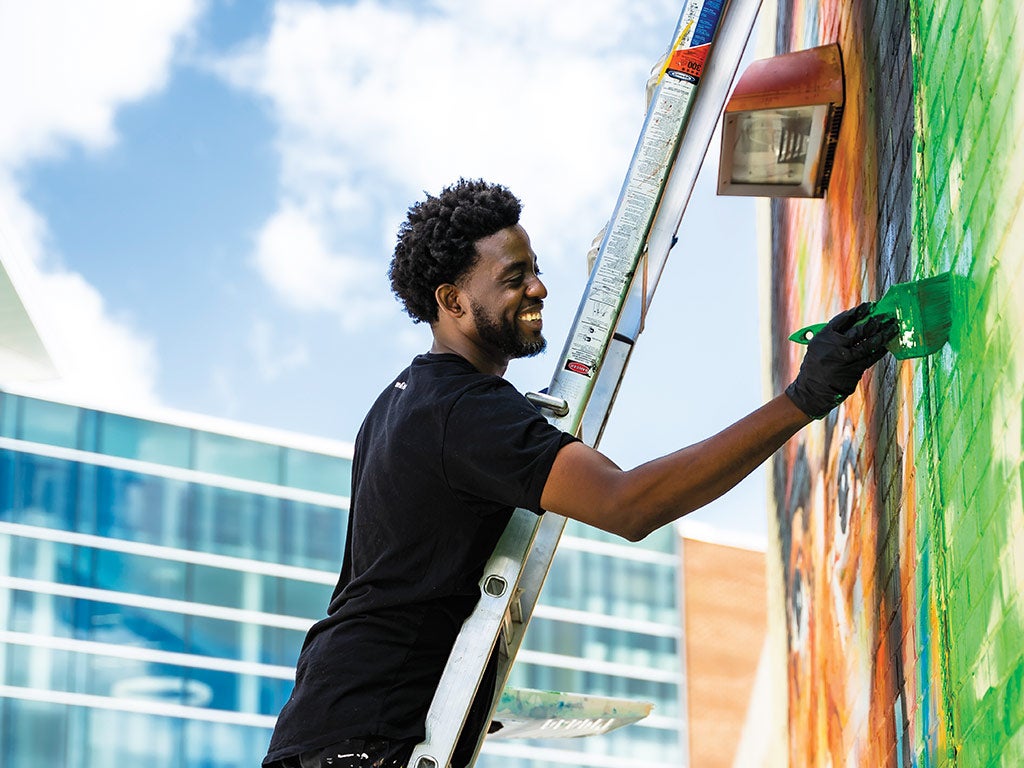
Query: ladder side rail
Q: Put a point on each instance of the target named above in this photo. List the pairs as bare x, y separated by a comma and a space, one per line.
549, 531
599, 403
610, 282
534, 572
466, 663
720, 71
623, 246
730, 41
606, 389
551, 526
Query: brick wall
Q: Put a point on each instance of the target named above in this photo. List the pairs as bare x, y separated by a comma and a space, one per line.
899, 518
724, 620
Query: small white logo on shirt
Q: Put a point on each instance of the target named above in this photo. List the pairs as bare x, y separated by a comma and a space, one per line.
399, 385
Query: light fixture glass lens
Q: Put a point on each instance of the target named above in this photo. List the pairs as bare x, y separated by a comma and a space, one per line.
771, 146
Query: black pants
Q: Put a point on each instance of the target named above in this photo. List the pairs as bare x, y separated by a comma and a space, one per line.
352, 753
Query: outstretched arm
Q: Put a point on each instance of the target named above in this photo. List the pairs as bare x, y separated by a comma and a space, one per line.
587, 486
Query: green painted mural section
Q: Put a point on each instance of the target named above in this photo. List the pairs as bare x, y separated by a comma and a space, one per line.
969, 187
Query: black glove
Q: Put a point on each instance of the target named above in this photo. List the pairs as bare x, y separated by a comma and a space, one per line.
837, 357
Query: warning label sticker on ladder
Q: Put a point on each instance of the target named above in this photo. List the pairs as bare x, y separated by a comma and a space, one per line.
688, 64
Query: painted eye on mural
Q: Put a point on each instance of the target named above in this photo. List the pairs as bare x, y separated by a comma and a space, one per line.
798, 610
846, 484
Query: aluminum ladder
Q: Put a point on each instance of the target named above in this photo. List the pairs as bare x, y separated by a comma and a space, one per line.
685, 99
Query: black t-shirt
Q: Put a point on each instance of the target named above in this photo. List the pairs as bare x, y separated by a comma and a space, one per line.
442, 459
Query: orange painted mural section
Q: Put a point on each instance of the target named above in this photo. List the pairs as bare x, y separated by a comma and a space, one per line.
855, 696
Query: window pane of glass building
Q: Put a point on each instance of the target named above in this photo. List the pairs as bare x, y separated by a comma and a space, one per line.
143, 440
317, 472
40, 421
227, 455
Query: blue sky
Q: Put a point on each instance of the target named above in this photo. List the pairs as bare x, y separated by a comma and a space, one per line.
202, 198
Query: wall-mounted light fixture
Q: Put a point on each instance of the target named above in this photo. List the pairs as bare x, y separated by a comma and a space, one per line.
781, 125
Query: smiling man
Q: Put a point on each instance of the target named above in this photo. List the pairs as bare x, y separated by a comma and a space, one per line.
450, 449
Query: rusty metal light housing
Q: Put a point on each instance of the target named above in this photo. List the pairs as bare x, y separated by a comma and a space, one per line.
781, 125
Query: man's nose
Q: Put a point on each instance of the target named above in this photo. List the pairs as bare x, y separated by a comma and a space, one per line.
536, 288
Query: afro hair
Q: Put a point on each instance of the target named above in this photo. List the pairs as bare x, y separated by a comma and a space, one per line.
436, 242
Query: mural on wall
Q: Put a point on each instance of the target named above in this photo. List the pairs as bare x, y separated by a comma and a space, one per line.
899, 517
843, 680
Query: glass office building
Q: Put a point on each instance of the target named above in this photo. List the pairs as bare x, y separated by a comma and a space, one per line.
157, 576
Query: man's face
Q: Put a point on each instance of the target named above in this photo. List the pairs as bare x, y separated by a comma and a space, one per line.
506, 295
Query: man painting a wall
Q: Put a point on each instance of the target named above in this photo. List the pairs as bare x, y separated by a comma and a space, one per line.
450, 449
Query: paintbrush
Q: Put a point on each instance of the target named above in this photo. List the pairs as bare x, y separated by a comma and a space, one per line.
922, 309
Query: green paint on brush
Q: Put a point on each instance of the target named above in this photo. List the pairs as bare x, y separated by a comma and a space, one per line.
922, 309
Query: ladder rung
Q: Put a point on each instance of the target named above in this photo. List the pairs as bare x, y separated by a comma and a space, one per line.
557, 405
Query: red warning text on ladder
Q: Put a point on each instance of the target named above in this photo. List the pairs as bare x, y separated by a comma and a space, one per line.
688, 63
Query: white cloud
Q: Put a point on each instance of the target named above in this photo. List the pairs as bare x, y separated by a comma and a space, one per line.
100, 358
378, 101
67, 65
65, 69
292, 256
23, 228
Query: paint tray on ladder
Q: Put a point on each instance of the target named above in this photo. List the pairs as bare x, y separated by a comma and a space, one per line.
921, 307
523, 713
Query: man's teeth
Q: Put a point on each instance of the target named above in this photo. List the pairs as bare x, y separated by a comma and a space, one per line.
530, 316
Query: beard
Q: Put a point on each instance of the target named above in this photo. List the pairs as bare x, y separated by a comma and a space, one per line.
504, 335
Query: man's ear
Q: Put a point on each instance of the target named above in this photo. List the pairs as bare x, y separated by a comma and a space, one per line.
447, 297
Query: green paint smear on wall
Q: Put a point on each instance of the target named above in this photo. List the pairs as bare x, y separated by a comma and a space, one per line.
969, 184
